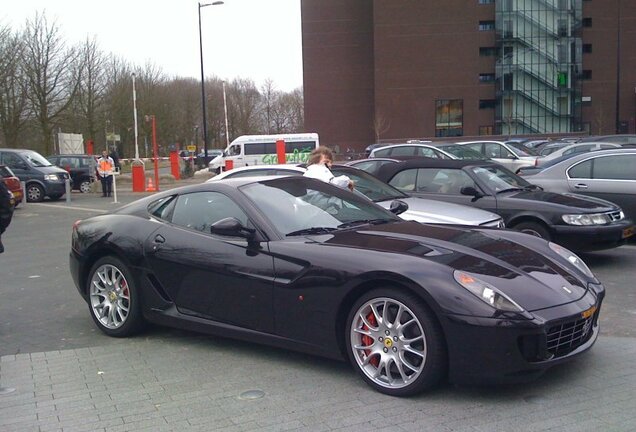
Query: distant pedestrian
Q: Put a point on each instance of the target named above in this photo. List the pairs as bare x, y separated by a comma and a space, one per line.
7, 205
115, 157
105, 166
320, 161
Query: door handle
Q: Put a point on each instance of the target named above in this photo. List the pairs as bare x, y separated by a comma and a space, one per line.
159, 239
580, 186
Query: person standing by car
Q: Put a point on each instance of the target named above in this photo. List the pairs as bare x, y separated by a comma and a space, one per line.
105, 166
320, 161
7, 204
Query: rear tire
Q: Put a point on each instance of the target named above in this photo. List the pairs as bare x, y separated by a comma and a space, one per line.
113, 299
533, 228
395, 343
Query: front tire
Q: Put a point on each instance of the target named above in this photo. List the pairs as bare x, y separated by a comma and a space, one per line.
113, 299
395, 343
533, 228
34, 192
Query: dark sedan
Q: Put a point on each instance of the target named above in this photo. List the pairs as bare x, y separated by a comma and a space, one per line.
578, 222
298, 263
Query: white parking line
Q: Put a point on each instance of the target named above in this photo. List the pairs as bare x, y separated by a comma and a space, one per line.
69, 208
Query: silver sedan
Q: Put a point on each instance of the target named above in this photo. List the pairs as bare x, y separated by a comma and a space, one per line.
419, 209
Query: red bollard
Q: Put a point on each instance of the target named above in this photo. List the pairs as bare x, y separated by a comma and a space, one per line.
229, 164
174, 165
280, 151
138, 177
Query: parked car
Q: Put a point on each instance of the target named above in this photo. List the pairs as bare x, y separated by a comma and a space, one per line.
300, 264
42, 179
212, 154
81, 168
420, 210
12, 183
371, 165
574, 221
511, 155
410, 149
549, 153
459, 151
606, 174
621, 139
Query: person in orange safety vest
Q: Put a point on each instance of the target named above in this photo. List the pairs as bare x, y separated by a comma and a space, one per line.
105, 165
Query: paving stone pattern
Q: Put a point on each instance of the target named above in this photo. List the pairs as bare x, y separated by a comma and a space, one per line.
194, 383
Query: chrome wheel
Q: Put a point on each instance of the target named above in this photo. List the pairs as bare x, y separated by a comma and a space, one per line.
34, 193
85, 186
109, 296
388, 343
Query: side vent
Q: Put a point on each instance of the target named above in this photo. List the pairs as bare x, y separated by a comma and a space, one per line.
156, 285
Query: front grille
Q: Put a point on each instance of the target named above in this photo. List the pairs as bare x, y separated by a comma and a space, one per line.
616, 216
565, 337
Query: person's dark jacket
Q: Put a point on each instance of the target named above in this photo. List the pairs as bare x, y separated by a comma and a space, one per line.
6, 206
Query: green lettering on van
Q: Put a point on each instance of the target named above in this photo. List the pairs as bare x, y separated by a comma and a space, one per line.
297, 156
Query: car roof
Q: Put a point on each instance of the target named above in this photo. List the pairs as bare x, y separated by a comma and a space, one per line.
389, 170
593, 154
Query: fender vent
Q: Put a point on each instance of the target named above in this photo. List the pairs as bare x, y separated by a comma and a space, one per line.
156, 285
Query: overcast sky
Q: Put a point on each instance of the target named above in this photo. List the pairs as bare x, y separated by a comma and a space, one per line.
256, 39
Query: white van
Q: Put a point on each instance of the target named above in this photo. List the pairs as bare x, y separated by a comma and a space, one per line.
248, 150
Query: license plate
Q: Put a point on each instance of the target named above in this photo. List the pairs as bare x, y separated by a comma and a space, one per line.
628, 232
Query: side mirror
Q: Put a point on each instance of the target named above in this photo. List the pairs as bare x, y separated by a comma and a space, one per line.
470, 191
232, 227
398, 207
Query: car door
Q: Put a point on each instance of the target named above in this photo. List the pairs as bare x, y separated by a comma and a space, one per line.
502, 156
610, 177
226, 279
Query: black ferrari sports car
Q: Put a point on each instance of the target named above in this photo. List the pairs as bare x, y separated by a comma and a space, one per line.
300, 264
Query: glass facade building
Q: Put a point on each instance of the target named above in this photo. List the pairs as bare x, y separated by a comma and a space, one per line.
539, 66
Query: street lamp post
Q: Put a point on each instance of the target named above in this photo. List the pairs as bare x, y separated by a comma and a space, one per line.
205, 122
227, 132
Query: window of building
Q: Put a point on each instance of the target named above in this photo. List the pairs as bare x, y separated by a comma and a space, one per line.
486, 1
586, 74
449, 117
587, 48
487, 77
507, 81
486, 25
487, 51
587, 22
487, 103
486, 130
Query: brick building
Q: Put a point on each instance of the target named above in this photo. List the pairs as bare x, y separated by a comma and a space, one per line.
395, 69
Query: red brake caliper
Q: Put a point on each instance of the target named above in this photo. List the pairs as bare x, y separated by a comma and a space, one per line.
368, 340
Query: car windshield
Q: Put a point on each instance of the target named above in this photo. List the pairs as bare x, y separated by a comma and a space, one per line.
521, 150
36, 159
300, 205
462, 152
500, 179
370, 186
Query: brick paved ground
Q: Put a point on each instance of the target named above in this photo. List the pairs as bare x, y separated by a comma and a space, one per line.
191, 382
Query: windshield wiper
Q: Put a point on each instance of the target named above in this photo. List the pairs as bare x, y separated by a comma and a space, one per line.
512, 189
364, 222
312, 230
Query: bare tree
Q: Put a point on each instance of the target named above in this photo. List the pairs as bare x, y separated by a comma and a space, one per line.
93, 86
269, 97
13, 101
51, 72
244, 100
380, 125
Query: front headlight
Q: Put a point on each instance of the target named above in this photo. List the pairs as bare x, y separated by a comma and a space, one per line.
572, 258
51, 177
587, 219
486, 292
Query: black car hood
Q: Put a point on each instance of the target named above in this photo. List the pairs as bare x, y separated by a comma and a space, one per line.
582, 203
52, 169
529, 278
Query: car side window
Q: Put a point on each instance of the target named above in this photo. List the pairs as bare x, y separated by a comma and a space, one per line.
403, 151
493, 150
450, 181
382, 152
477, 147
581, 170
235, 150
426, 152
200, 210
404, 180
12, 160
615, 167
